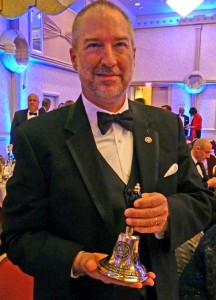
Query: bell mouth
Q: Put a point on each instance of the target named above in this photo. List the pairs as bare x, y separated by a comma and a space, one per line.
124, 264
132, 274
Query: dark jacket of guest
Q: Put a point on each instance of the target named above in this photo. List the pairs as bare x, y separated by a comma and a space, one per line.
42, 110
197, 281
185, 123
20, 116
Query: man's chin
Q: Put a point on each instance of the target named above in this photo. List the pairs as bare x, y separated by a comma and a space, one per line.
107, 94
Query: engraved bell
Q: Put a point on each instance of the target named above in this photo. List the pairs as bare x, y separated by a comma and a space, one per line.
124, 264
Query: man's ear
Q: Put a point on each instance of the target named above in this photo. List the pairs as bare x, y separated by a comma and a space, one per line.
134, 50
73, 58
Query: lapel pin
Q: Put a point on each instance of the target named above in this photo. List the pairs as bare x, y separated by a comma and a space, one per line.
148, 139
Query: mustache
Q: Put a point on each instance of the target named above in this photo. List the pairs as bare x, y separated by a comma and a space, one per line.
106, 71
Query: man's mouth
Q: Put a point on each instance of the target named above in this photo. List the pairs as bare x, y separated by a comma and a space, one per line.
106, 75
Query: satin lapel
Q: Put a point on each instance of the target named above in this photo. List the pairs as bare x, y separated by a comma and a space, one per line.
147, 149
85, 154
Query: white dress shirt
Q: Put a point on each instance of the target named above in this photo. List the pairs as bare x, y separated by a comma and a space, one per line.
116, 146
32, 116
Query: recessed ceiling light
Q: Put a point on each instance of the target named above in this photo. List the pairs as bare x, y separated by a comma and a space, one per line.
137, 4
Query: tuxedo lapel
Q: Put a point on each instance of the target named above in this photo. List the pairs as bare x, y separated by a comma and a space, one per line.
147, 149
23, 116
85, 154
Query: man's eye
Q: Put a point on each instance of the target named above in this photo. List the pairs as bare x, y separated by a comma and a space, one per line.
93, 45
121, 44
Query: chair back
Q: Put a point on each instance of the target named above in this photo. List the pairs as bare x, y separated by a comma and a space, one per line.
214, 146
14, 284
211, 163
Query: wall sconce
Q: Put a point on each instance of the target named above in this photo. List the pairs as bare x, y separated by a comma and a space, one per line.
183, 7
195, 83
16, 55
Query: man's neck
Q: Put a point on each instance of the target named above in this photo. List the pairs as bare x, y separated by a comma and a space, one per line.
111, 105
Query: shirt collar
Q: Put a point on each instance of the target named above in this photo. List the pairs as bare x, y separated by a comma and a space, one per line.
194, 159
91, 109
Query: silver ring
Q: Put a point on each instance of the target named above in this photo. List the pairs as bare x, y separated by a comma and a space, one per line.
156, 221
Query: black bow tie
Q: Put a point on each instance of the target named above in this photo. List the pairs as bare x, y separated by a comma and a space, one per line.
32, 114
105, 120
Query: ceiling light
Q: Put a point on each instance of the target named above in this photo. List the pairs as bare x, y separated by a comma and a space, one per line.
183, 7
137, 4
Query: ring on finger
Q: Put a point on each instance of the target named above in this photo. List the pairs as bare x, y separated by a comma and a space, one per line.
156, 221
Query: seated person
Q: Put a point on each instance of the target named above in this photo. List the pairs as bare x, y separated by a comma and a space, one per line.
201, 150
197, 281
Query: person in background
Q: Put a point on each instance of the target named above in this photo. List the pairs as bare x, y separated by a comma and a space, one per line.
69, 102
46, 103
196, 123
25, 114
197, 282
166, 107
201, 150
184, 118
64, 213
61, 105
140, 100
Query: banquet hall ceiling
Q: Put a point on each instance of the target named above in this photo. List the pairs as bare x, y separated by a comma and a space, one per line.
134, 8
153, 7
156, 13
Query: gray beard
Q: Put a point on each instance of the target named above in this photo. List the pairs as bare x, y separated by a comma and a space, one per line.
106, 94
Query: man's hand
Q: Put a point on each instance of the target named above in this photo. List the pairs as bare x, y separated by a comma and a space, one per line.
87, 263
149, 214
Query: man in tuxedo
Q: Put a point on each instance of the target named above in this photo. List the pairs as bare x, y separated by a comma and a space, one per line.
25, 114
67, 200
201, 150
184, 118
46, 103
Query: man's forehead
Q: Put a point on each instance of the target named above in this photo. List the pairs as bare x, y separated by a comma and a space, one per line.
101, 15
206, 149
32, 99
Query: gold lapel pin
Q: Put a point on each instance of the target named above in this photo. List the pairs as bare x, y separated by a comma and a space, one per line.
148, 139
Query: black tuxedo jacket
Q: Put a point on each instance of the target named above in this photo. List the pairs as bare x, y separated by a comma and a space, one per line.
42, 110
186, 122
57, 201
20, 116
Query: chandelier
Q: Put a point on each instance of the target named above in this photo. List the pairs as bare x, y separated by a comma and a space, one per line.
12, 9
183, 7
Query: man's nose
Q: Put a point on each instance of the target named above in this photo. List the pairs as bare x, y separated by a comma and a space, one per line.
108, 57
